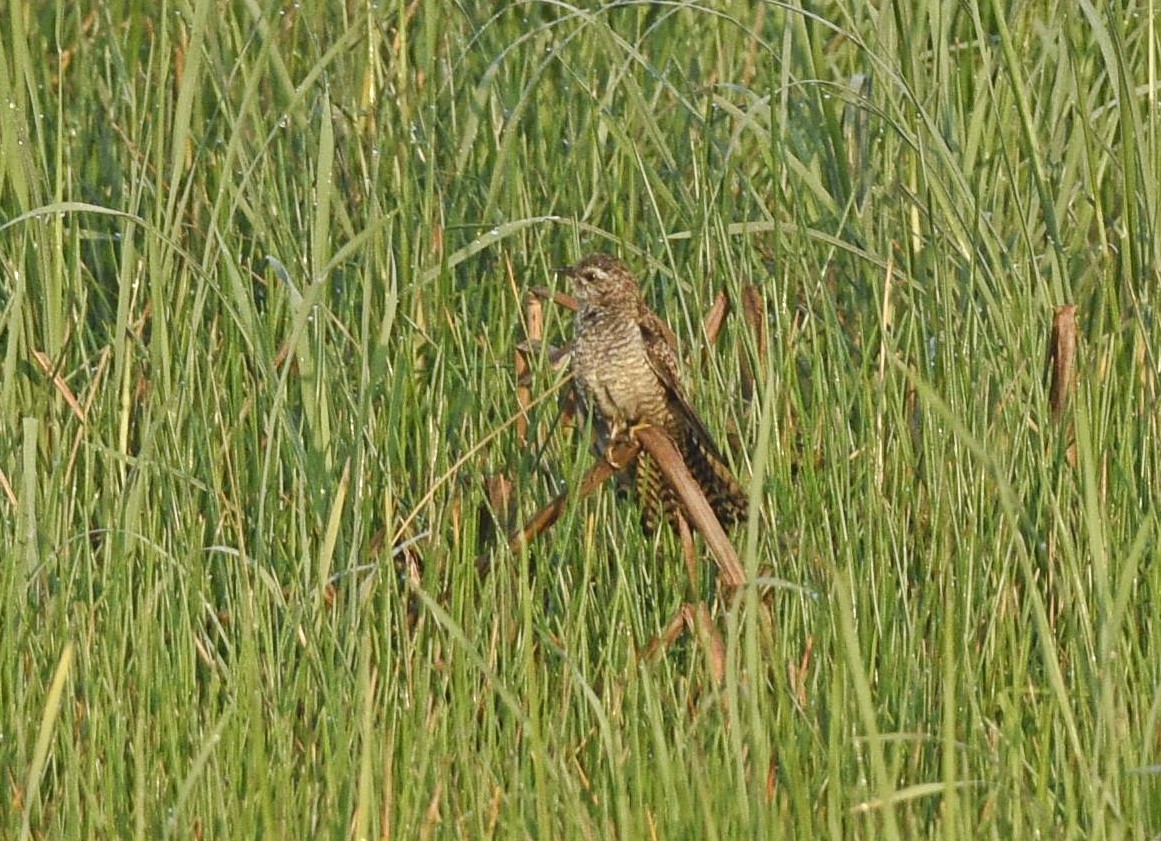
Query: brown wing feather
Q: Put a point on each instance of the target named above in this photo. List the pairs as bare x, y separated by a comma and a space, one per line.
693, 440
660, 346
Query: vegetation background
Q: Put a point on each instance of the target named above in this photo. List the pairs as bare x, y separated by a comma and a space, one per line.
262, 273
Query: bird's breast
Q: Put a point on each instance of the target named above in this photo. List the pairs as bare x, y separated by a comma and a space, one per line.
613, 372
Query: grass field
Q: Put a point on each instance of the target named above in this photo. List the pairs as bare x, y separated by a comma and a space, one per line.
263, 272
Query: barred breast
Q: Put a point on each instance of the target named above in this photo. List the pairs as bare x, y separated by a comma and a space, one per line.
613, 373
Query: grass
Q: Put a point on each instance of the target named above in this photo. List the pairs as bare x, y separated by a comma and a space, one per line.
262, 273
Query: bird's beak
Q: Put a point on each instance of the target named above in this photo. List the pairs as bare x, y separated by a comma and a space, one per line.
567, 271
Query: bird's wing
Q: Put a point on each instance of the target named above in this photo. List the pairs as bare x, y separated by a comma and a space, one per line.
661, 351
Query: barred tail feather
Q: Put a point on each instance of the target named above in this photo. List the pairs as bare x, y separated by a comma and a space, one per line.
726, 496
658, 500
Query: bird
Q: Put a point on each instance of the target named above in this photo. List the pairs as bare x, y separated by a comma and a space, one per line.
627, 375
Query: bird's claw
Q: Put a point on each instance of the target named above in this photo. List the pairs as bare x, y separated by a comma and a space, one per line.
619, 435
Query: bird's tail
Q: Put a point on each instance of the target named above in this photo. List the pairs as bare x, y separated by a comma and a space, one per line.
726, 496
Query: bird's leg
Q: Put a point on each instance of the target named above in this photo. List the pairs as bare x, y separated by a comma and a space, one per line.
620, 432
616, 439
637, 427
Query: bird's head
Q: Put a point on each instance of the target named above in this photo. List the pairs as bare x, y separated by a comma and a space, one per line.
600, 278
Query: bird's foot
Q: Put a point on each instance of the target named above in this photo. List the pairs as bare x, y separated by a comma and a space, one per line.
619, 437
